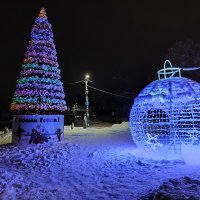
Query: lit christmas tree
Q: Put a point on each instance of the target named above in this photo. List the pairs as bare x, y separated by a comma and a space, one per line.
39, 89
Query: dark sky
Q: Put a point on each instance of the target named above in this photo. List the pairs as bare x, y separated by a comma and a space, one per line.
124, 39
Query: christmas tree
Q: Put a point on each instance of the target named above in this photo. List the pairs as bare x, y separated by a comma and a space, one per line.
39, 89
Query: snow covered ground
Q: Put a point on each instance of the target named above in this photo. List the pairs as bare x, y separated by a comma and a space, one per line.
94, 164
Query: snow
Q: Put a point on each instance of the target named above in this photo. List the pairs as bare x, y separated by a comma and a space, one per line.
183, 188
94, 163
5, 138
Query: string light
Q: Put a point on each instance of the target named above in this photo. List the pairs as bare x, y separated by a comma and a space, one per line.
165, 115
39, 88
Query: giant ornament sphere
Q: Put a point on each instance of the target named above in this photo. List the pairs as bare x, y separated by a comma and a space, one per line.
165, 115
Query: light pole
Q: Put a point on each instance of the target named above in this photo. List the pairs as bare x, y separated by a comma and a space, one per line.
87, 76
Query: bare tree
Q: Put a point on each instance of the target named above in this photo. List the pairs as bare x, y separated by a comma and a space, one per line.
186, 54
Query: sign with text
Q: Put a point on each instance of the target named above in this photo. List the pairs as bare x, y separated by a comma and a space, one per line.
37, 129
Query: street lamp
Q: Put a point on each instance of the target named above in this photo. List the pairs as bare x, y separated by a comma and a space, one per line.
87, 76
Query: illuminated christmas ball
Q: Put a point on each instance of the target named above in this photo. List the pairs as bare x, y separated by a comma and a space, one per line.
165, 116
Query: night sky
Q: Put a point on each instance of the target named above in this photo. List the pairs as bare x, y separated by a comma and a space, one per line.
123, 41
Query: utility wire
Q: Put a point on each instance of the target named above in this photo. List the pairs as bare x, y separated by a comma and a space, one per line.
131, 93
75, 82
109, 92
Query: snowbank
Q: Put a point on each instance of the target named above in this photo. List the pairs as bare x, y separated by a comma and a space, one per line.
93, 163
182, 188
5, 138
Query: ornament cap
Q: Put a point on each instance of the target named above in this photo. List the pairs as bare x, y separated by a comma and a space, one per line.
42, 13
169, 72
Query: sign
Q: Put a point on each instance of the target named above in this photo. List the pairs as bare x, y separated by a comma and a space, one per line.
37, 129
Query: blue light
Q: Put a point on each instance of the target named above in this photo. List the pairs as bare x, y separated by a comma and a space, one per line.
165, 116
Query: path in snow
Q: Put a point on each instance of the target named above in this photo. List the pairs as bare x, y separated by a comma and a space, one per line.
90, 164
